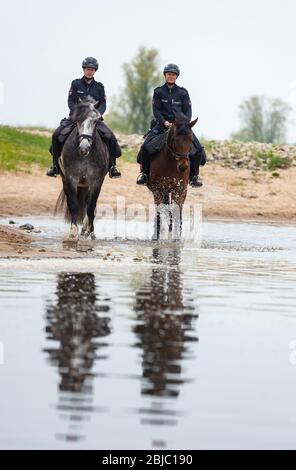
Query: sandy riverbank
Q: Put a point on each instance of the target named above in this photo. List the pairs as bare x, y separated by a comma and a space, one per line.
226, 193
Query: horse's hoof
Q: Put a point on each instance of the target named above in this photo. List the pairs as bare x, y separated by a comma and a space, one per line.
176, 238
92, 236
73, 235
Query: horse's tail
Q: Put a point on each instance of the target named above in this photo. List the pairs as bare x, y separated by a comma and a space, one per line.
61, 205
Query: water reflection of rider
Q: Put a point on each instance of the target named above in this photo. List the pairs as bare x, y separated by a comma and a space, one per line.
75, 323
164, 329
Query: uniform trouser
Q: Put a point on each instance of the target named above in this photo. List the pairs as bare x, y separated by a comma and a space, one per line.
66, 128
109, 138
197, 157
197, 154
57, 142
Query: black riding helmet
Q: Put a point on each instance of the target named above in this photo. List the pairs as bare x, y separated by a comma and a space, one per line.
173, 68
90, 63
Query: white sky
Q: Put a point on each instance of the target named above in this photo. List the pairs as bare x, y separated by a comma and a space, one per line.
227, 50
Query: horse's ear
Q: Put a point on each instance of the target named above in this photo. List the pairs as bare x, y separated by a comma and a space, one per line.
193, 123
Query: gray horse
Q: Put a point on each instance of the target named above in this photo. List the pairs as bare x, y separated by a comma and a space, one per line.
84, 164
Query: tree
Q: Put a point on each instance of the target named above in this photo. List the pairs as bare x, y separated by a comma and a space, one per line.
263, 120
132, 110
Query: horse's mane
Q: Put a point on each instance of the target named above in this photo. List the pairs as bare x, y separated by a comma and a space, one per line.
182, 124
83, 109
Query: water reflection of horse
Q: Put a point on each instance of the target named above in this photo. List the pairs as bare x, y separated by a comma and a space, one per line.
74, 321
169, 176
165, 326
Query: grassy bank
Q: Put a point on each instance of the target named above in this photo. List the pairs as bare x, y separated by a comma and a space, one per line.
20, 150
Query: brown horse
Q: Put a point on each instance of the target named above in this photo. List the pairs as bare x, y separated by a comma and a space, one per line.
169, 177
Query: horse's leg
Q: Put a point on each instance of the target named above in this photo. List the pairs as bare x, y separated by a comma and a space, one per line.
156, 233
157, 220
175, 235
91, 210
181, 220
166, 201
171, 222
178, 202
72, 200
85, 226
168, 213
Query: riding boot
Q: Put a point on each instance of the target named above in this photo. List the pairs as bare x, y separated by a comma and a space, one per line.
55, 169
113, 170
145, 168
195, 180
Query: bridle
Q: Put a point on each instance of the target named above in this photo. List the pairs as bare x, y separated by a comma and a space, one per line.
178, 156
89, 137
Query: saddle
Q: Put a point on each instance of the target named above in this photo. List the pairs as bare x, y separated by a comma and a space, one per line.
65, 132
154, 143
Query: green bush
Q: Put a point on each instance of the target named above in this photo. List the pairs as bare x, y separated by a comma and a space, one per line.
275, 161
271, 160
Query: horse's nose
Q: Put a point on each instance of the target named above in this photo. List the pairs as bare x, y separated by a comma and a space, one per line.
84, 149
83, 152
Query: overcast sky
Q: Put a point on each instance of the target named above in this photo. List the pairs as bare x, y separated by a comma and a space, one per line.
227, 50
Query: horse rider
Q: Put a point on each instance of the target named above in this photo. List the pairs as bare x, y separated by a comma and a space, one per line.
168, 101
84, 88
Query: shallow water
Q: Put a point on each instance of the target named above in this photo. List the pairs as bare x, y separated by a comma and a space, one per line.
176, 346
